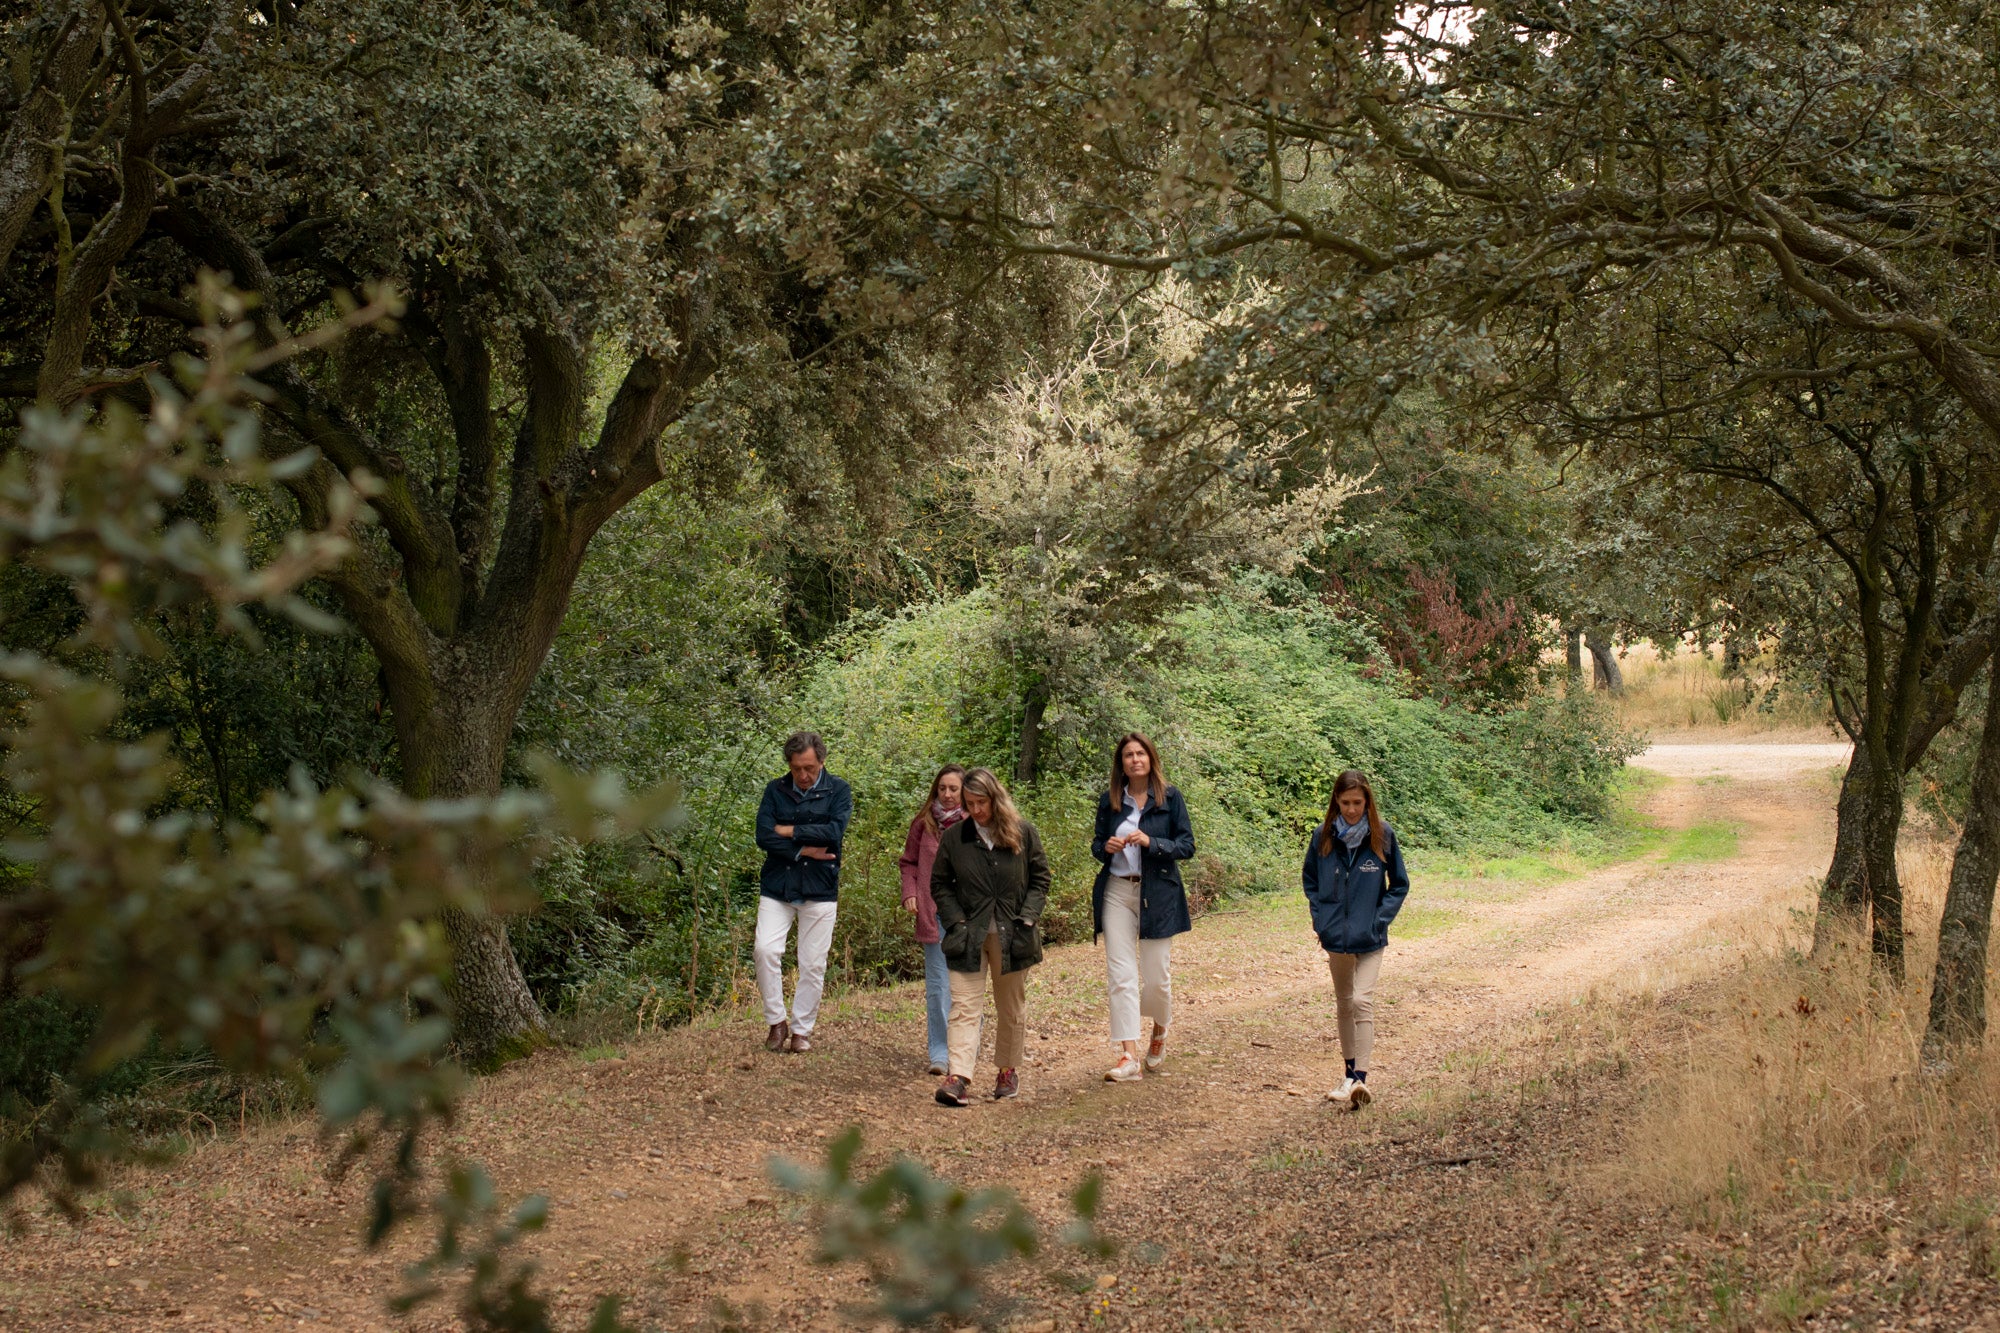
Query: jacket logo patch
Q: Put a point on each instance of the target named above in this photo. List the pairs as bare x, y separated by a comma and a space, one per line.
1369, 864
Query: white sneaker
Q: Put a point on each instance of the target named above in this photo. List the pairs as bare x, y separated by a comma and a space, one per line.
1127, 1070
1156, 1050
1352, 1093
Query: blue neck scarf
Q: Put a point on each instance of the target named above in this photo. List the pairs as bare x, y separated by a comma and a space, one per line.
1351, 834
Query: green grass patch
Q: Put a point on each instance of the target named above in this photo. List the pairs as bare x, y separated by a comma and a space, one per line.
1502, 874
1710, 840
1418, 919
590, 1055
1633, 782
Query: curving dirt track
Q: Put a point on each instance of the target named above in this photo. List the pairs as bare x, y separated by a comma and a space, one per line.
656, 1163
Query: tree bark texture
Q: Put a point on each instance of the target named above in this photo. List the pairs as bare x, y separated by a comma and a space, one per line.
1573, 651
1843, 894
1881, 827
1843, 900
1958, 991
1031, 735
85, 267
31, 148
453, 736
1609, 676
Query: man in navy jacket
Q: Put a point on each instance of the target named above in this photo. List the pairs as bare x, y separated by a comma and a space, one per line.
800, 826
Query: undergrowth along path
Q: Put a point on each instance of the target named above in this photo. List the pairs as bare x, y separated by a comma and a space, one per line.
656, 1162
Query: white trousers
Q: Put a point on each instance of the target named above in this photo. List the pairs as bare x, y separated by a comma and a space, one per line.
774, 923
1139, 972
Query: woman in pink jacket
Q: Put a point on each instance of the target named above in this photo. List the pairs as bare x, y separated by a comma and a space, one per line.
943, 808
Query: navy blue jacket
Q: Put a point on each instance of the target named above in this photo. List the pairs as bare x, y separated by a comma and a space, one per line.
1355, 895
1163, 909
818, 819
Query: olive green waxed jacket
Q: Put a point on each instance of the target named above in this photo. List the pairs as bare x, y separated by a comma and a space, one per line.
976, 886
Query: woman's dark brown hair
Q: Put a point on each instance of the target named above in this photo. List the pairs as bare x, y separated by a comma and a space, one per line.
929, 813
1156, 782
1353, 779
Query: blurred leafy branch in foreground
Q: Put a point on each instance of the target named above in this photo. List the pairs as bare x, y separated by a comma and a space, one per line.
301, 942
926, 1243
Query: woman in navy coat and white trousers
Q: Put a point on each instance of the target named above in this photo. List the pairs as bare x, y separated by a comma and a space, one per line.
1138, 903
1355, 884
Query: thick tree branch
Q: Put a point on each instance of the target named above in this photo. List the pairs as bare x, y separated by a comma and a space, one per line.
116, 232
29, 154
429, 564
368, 587
146, 122
454, 345
1791, 238
409, 516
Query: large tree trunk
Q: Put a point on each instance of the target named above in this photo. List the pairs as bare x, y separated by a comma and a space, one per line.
1958, 991
1862, 885
454, 744
1843, 894
494, 1017
1881, 826
1573, 651
1609, 677
1843, 900
1031, 734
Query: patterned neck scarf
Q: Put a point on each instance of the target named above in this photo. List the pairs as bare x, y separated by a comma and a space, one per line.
946, 818
1351, 834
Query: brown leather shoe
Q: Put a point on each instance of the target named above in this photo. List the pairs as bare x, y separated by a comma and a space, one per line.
1007, 1085
955, 1091
774, 1040
797, 1042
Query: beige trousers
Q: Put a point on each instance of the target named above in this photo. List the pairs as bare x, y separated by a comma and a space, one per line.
968, 1004
1354, 977
1139, 973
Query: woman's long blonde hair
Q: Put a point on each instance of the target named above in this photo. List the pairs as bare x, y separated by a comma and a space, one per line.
1006, 825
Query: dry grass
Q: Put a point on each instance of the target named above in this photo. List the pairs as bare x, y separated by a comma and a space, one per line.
1688, 691
1800, 1081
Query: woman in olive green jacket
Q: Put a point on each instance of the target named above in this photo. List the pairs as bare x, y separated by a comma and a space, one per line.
990, 881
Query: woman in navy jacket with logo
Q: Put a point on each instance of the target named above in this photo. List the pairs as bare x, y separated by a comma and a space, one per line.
1355, 884
1138, 904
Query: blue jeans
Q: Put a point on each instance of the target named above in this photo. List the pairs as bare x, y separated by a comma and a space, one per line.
937, 1001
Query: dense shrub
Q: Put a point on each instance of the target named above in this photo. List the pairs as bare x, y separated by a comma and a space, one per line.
897, 698
1255, 706
1268, 710
40, 1037
1568, 748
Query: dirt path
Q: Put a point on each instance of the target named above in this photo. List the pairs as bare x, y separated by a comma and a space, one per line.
1773, 761
656, 1163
